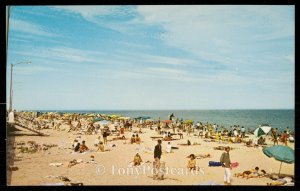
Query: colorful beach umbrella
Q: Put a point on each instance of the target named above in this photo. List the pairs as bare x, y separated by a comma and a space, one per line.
188, 121
91, 115
125, 118
281, 153
115, 116
262, 130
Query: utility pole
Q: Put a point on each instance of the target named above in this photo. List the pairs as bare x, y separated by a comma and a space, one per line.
10, 98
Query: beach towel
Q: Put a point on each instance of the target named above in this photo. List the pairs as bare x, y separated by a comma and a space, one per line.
56, 164
213, 163
234, 164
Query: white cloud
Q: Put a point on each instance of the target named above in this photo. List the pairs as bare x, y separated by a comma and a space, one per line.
168, 60
95, 15
220, 33
88, 11
61, 53
27, 27
166, 71
33, 69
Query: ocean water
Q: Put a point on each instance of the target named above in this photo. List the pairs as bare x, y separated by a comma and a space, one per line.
248, 118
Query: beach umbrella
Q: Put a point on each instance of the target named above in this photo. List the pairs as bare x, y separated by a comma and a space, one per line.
281, 153
124, 118
167, 121
97, 119
143, 117
115, 116
91, 115
188, 121
262, 130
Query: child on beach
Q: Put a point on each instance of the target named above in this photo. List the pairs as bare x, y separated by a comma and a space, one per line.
83, 147
132, 140
169, 148
100, 147
137, 139
137, 160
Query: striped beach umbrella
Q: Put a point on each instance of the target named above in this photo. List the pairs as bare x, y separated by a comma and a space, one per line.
262, 130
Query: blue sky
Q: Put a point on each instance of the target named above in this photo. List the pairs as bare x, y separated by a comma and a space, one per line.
152, 57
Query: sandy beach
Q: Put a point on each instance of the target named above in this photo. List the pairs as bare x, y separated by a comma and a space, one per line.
113, 167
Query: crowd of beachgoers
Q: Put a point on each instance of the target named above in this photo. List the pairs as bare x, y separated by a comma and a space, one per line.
109, 128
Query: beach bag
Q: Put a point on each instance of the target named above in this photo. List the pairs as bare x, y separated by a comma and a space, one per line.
213, 163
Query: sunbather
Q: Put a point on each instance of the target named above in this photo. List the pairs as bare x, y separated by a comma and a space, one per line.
137, 160
253, 173
72, 163
281, 181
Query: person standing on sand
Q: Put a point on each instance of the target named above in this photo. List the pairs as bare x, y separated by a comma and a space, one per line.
226, 164
105, 134
169, 147
274, 136
157, 156
243, 130
284, 137
172, 116
287, 130
180, 134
